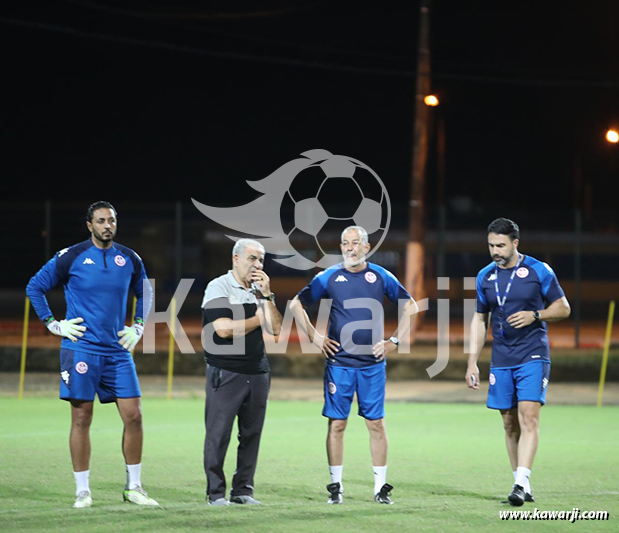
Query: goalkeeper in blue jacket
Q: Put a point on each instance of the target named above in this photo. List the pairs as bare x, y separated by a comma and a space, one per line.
95, 352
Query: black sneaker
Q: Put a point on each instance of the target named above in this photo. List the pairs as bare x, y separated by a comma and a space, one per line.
528, 497
516, 496
383, 494
335, 489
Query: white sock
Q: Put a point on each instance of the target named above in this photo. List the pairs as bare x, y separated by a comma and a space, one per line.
81, 481
522, 478
380, 478
526, 488
336, 475
134, 473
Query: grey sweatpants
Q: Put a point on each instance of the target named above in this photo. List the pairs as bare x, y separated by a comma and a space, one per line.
230, 395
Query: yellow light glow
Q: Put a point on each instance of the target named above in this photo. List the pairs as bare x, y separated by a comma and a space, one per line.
431, 100
612, 136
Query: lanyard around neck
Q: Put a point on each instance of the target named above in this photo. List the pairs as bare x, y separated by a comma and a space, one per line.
499, 300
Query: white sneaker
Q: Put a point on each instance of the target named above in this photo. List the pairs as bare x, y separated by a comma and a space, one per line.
219, 502
83, 500
138, 496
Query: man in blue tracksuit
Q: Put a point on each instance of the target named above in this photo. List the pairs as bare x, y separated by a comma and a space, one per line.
355, 350
95, 357
517, 295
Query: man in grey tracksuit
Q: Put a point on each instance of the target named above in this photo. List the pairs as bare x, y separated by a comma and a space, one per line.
235, 308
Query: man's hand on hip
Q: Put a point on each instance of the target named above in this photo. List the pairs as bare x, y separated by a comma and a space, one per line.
382, 348
67, 328
327, 346
130, 336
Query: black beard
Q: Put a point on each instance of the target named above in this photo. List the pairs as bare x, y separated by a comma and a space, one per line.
101, 238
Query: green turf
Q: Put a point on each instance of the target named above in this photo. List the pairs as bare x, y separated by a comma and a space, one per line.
447, 463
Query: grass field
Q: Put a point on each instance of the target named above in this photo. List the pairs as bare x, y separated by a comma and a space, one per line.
447, 463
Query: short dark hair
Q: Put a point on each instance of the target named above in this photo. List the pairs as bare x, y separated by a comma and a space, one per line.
505, 226
98, 205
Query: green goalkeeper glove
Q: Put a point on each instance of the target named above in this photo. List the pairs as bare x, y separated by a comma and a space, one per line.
130, 336
67, 328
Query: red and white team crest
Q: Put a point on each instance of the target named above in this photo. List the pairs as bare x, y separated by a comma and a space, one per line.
370, 277
81, 367
522, 272
120, 260
492, 379
332, 387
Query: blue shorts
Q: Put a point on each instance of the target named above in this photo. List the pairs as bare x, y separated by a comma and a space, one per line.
110, 376
341, 383
526, 383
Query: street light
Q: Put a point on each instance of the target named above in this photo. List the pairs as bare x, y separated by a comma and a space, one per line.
612, 136
431, 100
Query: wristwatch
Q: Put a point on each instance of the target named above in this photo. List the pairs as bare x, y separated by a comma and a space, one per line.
270, 297
536, 316
394, 340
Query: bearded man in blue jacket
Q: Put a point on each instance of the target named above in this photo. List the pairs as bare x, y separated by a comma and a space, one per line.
95, 351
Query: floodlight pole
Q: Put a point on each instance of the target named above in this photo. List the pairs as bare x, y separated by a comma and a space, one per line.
414, 278
178, 241
47, 232
577, 246
440, 171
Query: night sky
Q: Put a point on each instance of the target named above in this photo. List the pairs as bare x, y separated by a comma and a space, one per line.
179, 100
